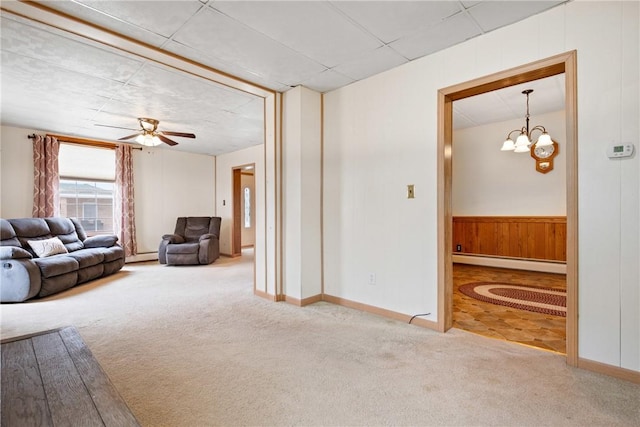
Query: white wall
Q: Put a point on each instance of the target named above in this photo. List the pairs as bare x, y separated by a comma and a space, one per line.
302, 157
16, 172
487, 181
168, 184
381, 134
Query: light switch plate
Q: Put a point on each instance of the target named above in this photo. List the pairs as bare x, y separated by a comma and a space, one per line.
410, 192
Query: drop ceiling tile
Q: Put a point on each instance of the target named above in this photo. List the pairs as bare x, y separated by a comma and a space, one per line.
48, 81
371, 63
98, 18
326, 81
313, 28
495, 14
230, 68
159, 17
231, 42
166, 82
454, 30
391, 20
66, 52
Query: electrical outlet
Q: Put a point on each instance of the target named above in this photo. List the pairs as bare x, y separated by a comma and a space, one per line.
458, 248
372, 278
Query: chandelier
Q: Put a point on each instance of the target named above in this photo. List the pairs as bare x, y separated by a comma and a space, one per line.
524, 141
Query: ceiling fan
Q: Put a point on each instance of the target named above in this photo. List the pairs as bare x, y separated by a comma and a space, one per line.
149, 134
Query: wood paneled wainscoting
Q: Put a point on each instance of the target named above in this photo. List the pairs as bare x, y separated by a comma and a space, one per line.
532, 237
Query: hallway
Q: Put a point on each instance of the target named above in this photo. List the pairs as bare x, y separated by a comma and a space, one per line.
534, 329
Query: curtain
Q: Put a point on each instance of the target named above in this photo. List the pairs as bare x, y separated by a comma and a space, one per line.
124, 217
46, 197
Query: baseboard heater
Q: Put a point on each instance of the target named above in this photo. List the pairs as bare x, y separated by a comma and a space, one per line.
517, 264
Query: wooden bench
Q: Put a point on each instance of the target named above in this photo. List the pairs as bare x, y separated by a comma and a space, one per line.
52, 379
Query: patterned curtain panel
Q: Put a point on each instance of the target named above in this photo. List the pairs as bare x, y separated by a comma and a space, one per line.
46, 197
124, 217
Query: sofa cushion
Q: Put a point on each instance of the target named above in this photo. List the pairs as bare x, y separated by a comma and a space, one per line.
56, 265
113, 253
183, 248
101, 241
65, 230
30, 229
88, 257
7, 234
14, 252
195, 227
47, 247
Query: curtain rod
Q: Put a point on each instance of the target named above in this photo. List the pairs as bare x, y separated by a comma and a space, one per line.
84, 141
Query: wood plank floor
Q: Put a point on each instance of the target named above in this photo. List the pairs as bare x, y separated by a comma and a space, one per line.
535, 329
52, 379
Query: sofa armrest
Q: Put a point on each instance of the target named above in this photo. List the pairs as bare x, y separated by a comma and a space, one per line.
207, 237
13, 252
100, 241
173, 238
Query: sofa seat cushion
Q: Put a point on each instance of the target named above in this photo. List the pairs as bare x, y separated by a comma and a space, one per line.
112, 254
184, 248
87, 257
56, 265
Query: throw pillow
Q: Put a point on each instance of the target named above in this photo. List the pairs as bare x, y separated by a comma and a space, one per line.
47, 247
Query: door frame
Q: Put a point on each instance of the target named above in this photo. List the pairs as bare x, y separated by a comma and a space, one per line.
564, 63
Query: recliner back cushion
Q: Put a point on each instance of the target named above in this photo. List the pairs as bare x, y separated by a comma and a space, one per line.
196, 226
30, 229
7, 234
65, 230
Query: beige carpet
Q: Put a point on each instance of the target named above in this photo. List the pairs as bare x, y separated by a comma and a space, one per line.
192, 346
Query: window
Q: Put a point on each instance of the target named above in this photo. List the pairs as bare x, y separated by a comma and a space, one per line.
87, 183
247, 207
89, 201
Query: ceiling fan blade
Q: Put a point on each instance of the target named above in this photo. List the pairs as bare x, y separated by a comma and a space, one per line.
115, 127
182, 134
167, 140
129, 137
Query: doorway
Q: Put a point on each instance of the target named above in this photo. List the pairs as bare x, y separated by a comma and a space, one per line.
508, 216
563, 63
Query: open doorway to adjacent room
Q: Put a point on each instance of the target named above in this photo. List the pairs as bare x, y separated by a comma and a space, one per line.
553, 66
509, 215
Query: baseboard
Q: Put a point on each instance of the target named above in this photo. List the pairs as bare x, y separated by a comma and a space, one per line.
381, 312
265, 295
612, 371
148, 256
304, 301
516, 264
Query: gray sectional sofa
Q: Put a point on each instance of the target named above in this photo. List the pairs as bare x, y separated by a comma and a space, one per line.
24, 274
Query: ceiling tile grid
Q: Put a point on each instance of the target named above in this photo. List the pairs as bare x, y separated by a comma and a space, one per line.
322, 45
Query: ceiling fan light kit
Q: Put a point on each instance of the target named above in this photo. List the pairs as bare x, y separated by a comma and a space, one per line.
149, 136
544, 149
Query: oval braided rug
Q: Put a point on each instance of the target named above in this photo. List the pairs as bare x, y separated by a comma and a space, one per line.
539, 300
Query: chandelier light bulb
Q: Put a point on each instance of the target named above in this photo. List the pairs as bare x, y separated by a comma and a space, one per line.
508, 145
522, 141
521, 149
544, 140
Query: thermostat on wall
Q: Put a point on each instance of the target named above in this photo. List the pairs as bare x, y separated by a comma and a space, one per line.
620, 150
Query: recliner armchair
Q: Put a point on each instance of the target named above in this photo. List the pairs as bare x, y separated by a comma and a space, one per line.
196, 240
